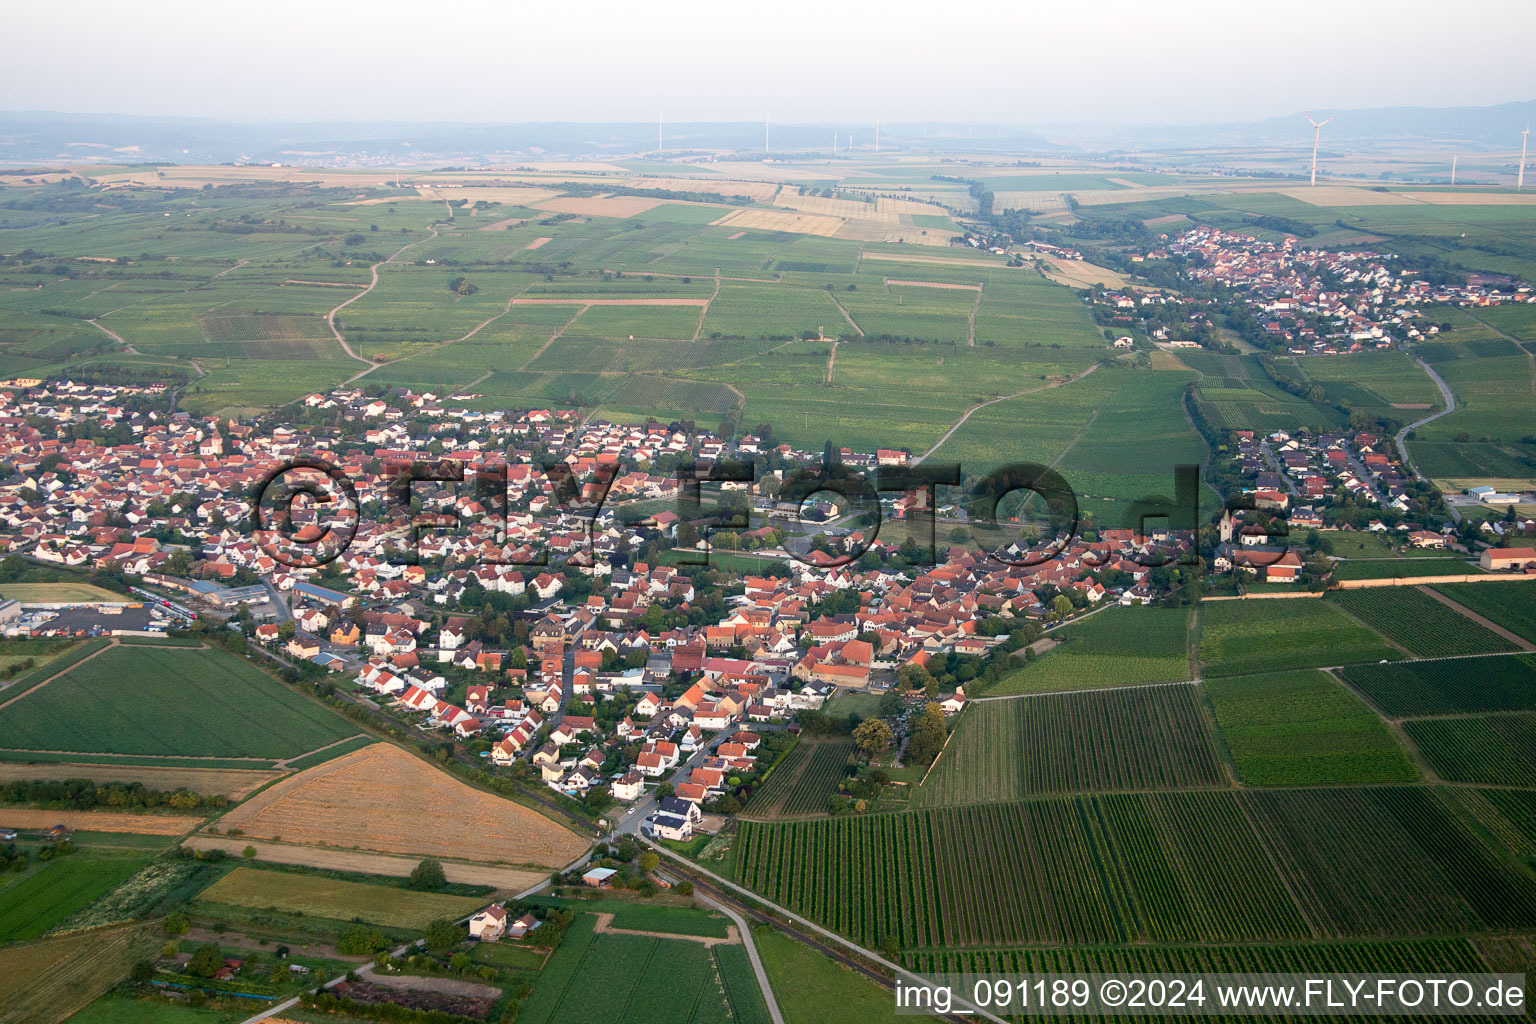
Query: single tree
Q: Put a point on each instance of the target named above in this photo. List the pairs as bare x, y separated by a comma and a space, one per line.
442, 936
873, 737
428, 875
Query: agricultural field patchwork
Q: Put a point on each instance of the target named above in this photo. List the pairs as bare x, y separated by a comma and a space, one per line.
289, 892
168, 701
1302, 728
1152, 737
1511, 605
1239, 637
1412, 619
1115, 647
1448, 686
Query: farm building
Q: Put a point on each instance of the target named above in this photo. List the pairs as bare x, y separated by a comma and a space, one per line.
1496, 559
599, 878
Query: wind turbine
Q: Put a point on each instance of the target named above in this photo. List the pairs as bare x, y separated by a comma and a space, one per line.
1525, 137
658, 133
1317, 135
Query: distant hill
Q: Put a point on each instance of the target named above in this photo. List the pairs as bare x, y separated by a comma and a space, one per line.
1468, 128
36, 137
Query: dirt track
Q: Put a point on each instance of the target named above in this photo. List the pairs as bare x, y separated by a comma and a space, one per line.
576, 301
101, 821
235, 783
510, 879
732, 936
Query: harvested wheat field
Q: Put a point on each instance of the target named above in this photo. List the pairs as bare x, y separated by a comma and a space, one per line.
1347, 195
934, 284
909, 207
506, 195
598, 206
538, 242
383, 799
874, 231
235, 783
100, 821
896, 257
781, 220
1077, 274
827, 207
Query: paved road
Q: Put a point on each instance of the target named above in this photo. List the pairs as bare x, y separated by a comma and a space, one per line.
1450, 407
643, 808
813, 934
373, 282
1276, 466
745, 931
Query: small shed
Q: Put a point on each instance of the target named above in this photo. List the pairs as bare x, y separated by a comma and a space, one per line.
599, 878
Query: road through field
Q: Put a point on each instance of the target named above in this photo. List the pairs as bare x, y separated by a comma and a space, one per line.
1450, 407
1488, 624
961, 421
373, 271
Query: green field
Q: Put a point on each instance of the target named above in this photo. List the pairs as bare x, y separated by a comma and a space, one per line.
1510, 604
288, 892
1403, 568
52, 593
805, 779
169, 701
1302, 728
1448, 686
613, 977
811, 989
1416, 621
1145, 738
1497, 750
61, 888
649, 917
1114, 647
1202, 866
1239, 637
116, 1009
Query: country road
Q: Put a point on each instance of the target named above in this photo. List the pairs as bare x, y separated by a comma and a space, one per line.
373, 271
1003, 398
1450, 407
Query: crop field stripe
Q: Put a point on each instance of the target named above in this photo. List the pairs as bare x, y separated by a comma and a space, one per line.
1448, 686
1419, 623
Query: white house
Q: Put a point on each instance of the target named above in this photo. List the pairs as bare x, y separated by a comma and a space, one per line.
490, 924
627, 787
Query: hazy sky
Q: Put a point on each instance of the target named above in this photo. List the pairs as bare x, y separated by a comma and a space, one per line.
1016, 62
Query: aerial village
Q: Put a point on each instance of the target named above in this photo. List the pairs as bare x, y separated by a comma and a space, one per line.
577, 635
1301, 300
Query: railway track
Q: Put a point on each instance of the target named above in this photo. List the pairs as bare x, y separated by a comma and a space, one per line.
716, 893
